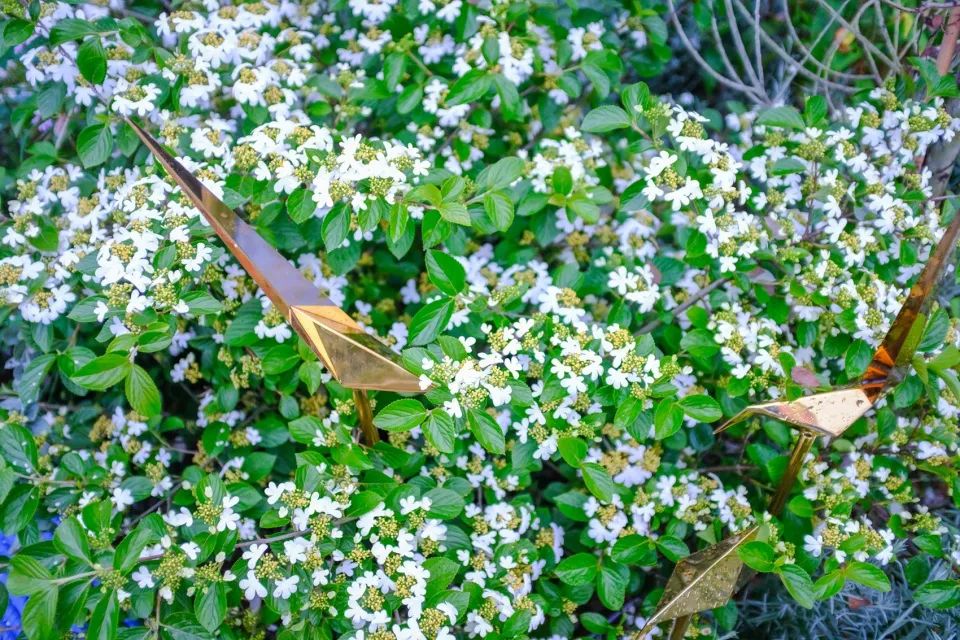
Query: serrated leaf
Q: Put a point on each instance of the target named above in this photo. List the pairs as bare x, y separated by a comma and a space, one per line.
401, 415
605, 118
577, 570
446, 272
440, 430
92, 60
142, 392
94, 145
486, 430
430, 320
784, 116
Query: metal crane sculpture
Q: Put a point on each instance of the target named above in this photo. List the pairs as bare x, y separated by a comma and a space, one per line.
353, 357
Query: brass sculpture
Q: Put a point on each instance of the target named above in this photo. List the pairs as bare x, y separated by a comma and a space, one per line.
703, 580
354, 358
699, 581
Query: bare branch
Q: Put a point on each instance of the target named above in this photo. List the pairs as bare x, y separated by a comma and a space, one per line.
730, 83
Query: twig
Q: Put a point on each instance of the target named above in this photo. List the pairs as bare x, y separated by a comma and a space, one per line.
730, 83
699, 295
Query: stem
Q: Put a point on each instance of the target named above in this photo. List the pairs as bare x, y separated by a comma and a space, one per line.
948, 45
365, 417
793, 470
689, 302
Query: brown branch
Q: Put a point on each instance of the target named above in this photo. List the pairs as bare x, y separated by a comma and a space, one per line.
948, 46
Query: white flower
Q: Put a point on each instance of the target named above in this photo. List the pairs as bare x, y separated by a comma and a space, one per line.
286, 587
252, 587
121, 498
142, 577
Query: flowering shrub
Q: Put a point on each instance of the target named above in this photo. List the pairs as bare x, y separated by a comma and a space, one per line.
588, 275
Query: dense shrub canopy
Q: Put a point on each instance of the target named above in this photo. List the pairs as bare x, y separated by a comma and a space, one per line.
587, 274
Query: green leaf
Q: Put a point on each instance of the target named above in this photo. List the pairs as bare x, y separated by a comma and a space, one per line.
829, 585
935, 332
598, 481
70, 29
300, 205
612, 584
605, 118
430, 320
142, 392
572, 450
486, 430
446, 272
128, 551
409, 99
71, 539
500, 175
577, 570
499, 209
510, 102
401, 415
702, 408
785, 116
182, 625
94, 145
798, 583
103, 372
27, 576
634, 549
444, 504
583, 206
562, 180
939, 594
92, 60
335, 227
39, 617
455, 212
516, 625
815, 110
870, 576
201, 303
667, 419
440, 430
28, 384
672, 548
469, 88
442, 573
699, 343
210, 607
105, 618
13, 33
758, 555
858, 357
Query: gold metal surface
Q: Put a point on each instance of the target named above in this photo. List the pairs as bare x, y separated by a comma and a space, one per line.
703, 580
800, 450
354, 358
826, 414
365, 417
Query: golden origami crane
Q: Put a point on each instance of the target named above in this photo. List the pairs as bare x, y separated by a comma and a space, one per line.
708, 578
354, 358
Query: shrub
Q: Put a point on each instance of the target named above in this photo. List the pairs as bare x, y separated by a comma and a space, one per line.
588, 274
